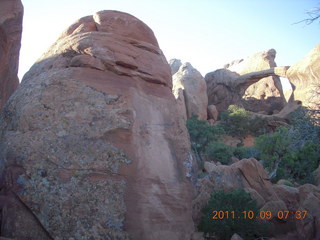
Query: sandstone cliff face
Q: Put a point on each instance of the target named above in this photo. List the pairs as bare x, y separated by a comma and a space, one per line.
305, 77
11, 13
250, 82
90, 147
189, 81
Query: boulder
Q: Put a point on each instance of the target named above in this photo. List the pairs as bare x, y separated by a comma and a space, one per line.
305, 79
253, 175
194, 90
11, 14
256, 196
209, 166
89, 146
213, 112
252, 82
289, 195
211, 122
274, 207
249, 175
309, 200
234, 159
309, 196
299, 226
244, 174
278, 226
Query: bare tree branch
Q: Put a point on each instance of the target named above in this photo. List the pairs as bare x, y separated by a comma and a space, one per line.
314, 15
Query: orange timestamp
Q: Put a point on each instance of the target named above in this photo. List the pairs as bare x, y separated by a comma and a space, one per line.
283, 215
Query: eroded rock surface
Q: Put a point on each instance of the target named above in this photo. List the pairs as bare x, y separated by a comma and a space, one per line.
252, 82
266, 87
193, 86
175, 64
90, 147
213, 112
11, 14
305, 77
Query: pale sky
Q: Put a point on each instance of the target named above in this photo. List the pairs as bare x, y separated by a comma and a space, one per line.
206, 33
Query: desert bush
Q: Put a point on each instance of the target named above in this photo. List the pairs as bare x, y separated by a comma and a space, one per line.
273, 147
258, 125
237, 201
201, 133
239, 122
218, 151
289, 154
245, 152
206, 141
304, 125
300, 165
235, 121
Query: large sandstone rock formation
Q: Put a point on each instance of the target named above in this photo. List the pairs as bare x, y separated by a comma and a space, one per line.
305, 78
248, 174
11, 13
175, 64
266, 87
188, 81
92, 145
251, 82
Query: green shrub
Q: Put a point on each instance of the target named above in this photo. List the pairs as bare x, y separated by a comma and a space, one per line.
237, 201
291, 153
273, 148
245, 152
258, 125
288, 154
235, 121
201, 133
299, 166
239, 122
304, 127
276, 153
280, 174
218, 151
